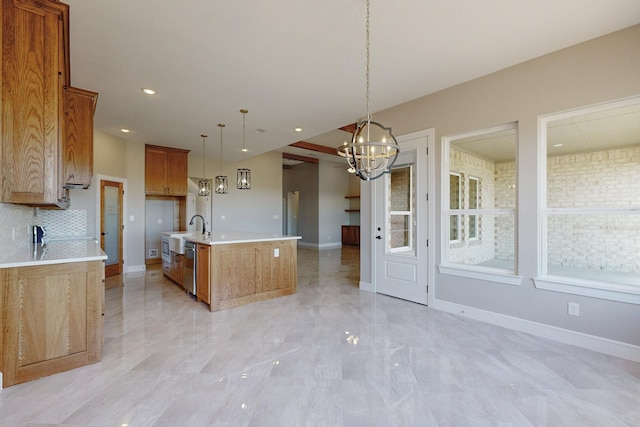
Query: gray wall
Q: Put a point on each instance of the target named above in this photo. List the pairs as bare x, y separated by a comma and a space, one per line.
257, 210
305, 179
332, 187
600, 70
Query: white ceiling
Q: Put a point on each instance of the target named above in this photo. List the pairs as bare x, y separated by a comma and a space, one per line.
300, 63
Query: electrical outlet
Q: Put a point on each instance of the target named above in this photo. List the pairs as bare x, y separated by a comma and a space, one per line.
276, 252
573, 309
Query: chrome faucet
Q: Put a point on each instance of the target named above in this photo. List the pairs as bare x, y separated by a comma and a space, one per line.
204, 225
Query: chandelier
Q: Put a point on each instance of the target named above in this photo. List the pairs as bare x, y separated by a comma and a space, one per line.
222, 186
244, 174
204, 185
373, 149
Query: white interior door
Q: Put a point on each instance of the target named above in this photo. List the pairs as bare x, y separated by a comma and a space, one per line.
401, 224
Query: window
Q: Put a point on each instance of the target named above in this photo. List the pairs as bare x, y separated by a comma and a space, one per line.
401, 210
455, 203
474, 203
481, 205
591, 201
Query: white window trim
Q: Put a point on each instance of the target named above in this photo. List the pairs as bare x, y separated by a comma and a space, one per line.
490, 274
572, 285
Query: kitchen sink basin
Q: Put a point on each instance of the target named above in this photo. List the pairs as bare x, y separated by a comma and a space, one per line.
177, 242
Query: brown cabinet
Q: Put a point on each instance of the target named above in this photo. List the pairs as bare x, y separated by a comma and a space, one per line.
77, 150
35, 71
174, 269
243, 273
351, 235
165, 171
51, 319
203, 273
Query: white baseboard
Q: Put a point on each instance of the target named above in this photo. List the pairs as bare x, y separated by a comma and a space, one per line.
365, 286
565, 336
332, 245
136, 269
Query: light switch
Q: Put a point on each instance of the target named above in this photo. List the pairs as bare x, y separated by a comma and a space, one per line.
131, 218
276, 252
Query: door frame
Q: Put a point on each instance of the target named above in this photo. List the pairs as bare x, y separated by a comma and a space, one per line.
98, 216
429, 135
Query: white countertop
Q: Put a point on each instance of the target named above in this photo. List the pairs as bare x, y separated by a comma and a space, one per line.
229, 237
56, 252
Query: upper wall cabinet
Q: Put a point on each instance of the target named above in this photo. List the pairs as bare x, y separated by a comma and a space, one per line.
77, 150
35, 72
166, 171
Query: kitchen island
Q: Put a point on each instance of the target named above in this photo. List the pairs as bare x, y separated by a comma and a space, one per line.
51, 308
235, 268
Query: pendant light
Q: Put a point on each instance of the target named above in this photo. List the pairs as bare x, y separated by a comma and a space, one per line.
244, 174
373, 149
204, 185
222, 186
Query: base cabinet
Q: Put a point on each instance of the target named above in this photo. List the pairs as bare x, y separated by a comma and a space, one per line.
351, 235
174, 269
242, 273
51, 319
203, 273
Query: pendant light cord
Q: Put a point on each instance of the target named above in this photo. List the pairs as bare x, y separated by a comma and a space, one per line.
203, 137
367, 72
221, 125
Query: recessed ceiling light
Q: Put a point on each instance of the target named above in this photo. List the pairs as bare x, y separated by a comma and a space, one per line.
244, 150
557, 145
125, 130
298, 129
149, 91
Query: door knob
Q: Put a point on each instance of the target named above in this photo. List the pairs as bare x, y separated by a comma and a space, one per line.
379, 237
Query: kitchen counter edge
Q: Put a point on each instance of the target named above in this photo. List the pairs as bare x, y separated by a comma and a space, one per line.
57, 252
228, 238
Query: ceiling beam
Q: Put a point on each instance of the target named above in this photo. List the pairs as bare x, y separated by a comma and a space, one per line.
349, 128
300, 158
314, 147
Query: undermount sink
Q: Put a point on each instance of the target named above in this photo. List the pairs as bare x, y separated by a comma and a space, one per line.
177, 241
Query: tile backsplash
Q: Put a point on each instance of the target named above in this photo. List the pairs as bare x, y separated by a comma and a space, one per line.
15, 228
68, 223
16, 224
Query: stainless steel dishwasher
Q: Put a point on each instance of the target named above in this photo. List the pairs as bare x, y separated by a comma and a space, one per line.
190, 266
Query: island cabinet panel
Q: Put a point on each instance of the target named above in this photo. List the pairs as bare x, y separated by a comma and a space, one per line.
242, 273
203, 273
52, 319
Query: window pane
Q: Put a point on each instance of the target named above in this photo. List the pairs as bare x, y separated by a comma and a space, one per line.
401, 211
473, 193
473, 226
400, 231
495, 249
601, 247
454, 228
401, 189
454, 191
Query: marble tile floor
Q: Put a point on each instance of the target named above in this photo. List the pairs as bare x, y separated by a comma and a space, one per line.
330, 355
